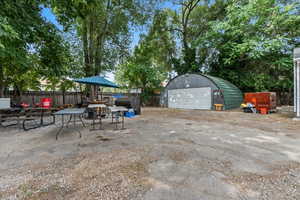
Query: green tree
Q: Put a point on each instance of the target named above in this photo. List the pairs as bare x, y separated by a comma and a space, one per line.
252, 45
103, 27
30, 47
183, 25
7, 35
133, 74
151, 61
157, 47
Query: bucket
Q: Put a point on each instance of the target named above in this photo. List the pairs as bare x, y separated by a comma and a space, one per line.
129, 114
264, 111
46, 102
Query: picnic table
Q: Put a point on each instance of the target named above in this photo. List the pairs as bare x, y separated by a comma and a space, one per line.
26, 115
10, 115
99, 112
37, 115
72, 113
116, 113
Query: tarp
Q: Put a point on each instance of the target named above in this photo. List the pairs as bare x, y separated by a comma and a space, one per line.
96, 80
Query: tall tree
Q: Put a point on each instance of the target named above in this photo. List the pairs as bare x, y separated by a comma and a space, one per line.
103, 27
7, 35
30, 47
158, 46
252, 45
151, 61
182, 21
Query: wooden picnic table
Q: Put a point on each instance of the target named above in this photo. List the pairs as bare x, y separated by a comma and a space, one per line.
10, 115
26, 115
37, 115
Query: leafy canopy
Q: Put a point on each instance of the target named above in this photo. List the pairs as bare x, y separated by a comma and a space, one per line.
252, 45
31, 48
151, 61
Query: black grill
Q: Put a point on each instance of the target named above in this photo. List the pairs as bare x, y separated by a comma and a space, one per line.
123, 102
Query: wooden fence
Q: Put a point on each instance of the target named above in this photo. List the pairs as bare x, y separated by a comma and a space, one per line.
153, 101
60, 98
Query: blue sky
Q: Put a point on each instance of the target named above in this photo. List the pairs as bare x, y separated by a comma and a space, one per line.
48, 14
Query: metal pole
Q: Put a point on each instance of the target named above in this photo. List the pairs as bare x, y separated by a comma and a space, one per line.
297, 82
298, 88
295, 86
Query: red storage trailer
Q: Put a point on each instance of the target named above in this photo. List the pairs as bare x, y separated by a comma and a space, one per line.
264, 102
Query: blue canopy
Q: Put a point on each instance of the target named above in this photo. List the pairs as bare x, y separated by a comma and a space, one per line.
97, 80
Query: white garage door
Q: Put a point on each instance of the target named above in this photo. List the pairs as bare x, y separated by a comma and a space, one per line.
190, 98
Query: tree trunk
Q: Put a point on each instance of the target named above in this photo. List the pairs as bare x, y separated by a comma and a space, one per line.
99, 48
186, 12
87, 61
53, 98
91, 50
17, 95
84, 36
64, 96
98, 54
100, 40
184, 39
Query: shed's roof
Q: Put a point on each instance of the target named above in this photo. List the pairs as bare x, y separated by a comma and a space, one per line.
233, 97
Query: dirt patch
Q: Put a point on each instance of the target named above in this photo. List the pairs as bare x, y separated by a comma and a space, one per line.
163, 154
102, 138
114, 175
271, 123
178, 156
281, 183
187, 141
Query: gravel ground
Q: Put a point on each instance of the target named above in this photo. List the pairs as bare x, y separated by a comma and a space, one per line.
163, 154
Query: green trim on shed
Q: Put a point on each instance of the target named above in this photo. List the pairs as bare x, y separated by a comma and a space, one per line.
233, 97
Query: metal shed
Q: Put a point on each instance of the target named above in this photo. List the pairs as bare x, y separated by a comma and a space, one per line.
198, 91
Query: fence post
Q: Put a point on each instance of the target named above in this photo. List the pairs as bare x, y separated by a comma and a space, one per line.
63, 97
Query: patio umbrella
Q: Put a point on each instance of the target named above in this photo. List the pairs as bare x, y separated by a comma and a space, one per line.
97, 81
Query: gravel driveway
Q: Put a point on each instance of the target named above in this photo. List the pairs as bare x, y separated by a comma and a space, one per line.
163, 154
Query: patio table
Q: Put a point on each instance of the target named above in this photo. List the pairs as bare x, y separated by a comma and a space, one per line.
116, 112
72, 112
100, 108
97, 106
